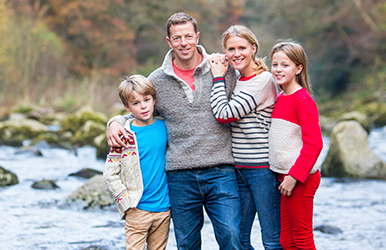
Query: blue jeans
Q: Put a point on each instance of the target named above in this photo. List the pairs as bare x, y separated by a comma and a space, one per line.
214, 188
259, 193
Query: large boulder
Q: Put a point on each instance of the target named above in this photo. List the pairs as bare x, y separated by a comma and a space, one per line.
7, 178
349, 154
92, 195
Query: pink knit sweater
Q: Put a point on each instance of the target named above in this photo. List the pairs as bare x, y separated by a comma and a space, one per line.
295, 138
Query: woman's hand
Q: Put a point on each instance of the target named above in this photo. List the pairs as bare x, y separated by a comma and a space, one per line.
287, 185
114, 133
219, 64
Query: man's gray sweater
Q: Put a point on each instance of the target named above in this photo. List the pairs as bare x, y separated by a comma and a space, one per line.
195, 138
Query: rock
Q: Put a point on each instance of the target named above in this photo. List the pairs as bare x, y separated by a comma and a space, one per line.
53, 118
95, 248
17, 130
86, 173
48, 137
39, 112
41, 144
86, 134
66, 136
92, 195
7, 178
45, 184
327, 229
77, 119
349, 154
357, 116
36, 151
376, 111
100, 143
326, 124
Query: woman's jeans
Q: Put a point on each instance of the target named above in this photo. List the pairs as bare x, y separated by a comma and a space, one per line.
259, 193
214, 188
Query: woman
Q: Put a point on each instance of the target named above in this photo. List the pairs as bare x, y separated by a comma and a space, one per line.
249, 112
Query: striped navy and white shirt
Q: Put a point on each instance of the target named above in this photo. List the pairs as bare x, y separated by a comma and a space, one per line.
249, 111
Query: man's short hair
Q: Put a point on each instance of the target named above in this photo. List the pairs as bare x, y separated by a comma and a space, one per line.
180, 18
137, 83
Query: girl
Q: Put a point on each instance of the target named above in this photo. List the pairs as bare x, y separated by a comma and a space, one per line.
295, 142
249, 112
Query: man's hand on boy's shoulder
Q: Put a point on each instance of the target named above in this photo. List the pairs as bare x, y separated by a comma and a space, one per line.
114, 135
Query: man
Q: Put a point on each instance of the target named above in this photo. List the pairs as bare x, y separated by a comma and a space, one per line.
199, 160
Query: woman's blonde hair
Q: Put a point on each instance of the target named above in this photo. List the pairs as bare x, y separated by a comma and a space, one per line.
296, 54
243, 32
137, 83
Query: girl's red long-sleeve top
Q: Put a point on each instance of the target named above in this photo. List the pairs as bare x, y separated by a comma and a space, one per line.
295, 138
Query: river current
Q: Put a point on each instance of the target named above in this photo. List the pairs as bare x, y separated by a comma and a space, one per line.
34, 219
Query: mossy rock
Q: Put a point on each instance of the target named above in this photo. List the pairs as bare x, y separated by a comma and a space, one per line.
86, 134
92, 195
76, 120
53, 119
49, 137
45, 185
100, 143
7, 178
21, 129
376, 111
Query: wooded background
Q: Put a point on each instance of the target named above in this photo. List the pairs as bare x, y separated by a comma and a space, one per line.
68, 53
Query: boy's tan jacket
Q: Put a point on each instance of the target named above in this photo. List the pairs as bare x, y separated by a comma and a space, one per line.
122, 174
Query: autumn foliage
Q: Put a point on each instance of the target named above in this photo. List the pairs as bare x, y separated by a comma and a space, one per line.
74, 52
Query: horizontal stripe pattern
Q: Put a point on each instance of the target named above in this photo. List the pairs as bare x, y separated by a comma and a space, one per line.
249, 113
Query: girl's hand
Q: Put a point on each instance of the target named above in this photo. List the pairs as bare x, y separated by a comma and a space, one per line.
287, 185
219, 64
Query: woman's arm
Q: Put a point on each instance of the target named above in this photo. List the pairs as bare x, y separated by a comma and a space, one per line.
257, 94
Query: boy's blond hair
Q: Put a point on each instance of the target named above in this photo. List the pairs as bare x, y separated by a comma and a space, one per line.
137, 83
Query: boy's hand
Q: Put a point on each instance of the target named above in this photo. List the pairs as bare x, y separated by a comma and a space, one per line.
287, 185
114, 133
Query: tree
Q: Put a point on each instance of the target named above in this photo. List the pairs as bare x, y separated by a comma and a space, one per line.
29, 51
96, 37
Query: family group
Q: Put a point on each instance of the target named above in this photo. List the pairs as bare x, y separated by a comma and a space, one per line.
219, 132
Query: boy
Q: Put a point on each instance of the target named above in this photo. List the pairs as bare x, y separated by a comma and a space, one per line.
135, 174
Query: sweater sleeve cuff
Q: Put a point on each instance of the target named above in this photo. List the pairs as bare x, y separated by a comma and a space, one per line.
298, 174
218, 79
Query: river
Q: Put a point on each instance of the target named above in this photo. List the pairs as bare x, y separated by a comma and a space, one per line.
34, 219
